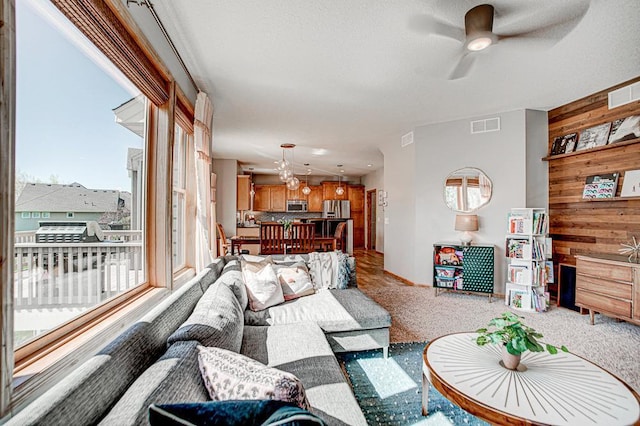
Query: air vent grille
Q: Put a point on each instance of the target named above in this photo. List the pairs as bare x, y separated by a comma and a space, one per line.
407, 139
624, 95
484, 126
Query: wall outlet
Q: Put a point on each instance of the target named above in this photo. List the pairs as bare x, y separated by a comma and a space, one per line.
386, 220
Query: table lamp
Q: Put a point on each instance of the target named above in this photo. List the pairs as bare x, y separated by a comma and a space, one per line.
466, 223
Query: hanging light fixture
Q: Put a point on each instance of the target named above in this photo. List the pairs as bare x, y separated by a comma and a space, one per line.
339, 189
306, 190
287, 173
284, 166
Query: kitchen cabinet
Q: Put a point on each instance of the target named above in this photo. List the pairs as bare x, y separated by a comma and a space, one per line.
329, 191
270, 198
355, 195
295, 194
609, 284
315, 198
243, 194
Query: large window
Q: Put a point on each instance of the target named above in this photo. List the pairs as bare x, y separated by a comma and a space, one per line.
179, 200
80, 156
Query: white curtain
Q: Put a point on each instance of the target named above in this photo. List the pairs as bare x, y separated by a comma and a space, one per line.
205, 249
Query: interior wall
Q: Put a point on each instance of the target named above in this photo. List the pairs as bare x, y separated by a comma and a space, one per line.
420, 172
537, 177
375, 180
226, 188
581, 226
399, 217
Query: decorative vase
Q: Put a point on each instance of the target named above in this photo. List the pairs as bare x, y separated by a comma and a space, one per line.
510, 361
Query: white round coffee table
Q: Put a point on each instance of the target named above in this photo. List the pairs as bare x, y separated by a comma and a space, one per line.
561, 389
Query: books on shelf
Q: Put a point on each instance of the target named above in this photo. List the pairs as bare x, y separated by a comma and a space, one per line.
522, 248
524, 223
528, 273
527, 248
529, 300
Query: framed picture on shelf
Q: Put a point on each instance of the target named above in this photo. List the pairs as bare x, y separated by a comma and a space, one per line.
564, 144
625, 129
631, 184
600, 186
594, 137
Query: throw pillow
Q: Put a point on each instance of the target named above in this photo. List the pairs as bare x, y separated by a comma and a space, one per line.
229, 375
262, 284
231, 413
295, 280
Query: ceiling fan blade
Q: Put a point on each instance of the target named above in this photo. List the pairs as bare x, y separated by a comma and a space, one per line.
479, 19
553, 31
462, 68
432, 26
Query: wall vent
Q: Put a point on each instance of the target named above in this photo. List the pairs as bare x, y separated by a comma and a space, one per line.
407, 139
624, 95
484, 126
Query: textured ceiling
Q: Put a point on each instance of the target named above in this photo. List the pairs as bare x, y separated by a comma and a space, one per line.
340, 79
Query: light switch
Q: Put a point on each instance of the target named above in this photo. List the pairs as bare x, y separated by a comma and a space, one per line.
386, 220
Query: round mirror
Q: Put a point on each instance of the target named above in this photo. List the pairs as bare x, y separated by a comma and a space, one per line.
467, 189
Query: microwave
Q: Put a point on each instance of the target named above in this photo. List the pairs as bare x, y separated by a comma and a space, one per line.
296, 206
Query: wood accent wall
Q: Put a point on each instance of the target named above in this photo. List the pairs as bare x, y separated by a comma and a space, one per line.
580, 226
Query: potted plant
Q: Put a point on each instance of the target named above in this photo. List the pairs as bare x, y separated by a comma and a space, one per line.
515, 338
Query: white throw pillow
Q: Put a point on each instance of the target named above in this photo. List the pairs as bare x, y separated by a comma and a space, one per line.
295, 281
263, 287
229, 375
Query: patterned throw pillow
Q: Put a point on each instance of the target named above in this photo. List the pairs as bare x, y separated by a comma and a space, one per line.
262, 284
295, 280
229, 375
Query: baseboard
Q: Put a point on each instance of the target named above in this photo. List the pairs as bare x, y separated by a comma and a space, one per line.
379, 252
399, 278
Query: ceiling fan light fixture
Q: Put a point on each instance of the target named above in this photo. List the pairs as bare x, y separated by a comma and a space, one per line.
479, 43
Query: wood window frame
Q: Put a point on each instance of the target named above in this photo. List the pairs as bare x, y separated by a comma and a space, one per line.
110, 28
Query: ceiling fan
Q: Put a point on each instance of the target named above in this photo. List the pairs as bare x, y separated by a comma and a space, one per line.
478, 33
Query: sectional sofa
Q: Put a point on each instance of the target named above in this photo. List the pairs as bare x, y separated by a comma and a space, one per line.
155, 361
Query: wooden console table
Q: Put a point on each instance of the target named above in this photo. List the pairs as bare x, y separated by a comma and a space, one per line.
609, 284
561, 389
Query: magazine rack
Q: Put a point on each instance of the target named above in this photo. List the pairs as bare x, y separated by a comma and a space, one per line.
527, 249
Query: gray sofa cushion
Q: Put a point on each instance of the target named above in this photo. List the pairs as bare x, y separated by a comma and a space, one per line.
302, 349
232, 277
85, 396
174, 378
332, 310
217, 320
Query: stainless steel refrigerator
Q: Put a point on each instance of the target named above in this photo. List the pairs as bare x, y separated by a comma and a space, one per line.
336, 209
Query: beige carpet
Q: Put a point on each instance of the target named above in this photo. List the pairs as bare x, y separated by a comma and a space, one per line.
417, 315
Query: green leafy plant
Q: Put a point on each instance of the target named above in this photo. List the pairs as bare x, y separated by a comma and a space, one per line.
516, 336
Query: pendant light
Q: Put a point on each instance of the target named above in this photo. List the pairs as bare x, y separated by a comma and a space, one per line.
288, 174
284, 166
306, 190
339, 189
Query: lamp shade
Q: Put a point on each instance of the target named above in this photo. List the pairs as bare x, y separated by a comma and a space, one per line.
466, 222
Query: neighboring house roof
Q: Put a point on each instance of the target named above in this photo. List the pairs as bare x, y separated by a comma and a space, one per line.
69, 198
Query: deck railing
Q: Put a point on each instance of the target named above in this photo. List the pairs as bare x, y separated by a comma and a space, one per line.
57, 275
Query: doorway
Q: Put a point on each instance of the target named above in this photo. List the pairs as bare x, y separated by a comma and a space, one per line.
371, 219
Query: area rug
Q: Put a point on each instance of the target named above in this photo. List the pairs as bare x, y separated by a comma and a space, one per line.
389, 391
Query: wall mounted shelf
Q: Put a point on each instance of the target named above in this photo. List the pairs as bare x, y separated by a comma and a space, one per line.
600, 148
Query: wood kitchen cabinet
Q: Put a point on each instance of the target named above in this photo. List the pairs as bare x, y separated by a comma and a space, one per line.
355, 195
329, 191
608, 284
315, 198
270, 198
243, 195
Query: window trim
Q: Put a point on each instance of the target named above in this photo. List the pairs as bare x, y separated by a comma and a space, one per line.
25, 215
108, 26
